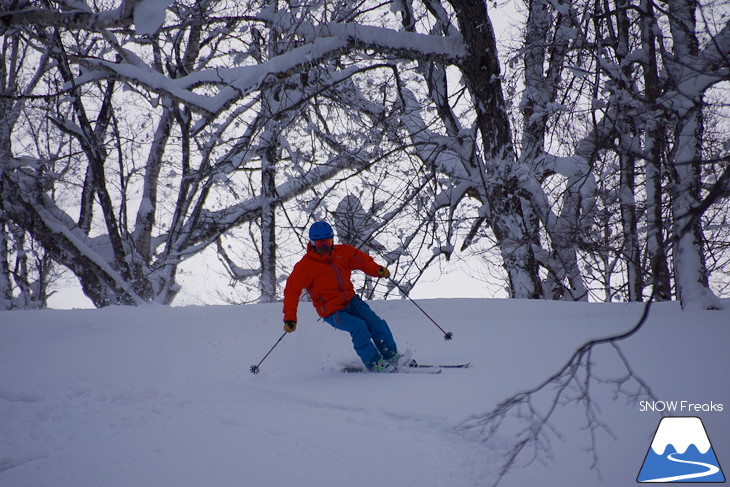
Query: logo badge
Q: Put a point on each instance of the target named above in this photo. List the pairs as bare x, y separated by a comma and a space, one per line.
680, 452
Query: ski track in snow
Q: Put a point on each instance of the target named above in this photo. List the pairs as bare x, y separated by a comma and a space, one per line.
258, 426
407, 448
414, 448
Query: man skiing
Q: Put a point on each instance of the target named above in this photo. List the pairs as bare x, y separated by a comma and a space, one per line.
324, 272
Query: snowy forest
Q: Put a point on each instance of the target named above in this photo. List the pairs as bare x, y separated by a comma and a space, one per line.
585, 157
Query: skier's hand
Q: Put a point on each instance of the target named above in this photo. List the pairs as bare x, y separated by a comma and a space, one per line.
290, 326
384, 272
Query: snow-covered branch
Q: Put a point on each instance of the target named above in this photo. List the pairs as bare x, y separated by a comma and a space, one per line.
63, 239
147, 15
326, 42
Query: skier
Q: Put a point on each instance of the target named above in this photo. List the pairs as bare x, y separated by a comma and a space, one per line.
324, 272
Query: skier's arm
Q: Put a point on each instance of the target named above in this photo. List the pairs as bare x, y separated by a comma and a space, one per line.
362, 261
292, 292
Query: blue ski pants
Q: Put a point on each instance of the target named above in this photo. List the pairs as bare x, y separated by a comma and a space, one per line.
370, 334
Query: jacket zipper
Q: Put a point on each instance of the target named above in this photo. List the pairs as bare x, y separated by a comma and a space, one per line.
338, 277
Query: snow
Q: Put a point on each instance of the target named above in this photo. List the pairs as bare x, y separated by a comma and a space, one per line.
149, 15
681, 433
155, 395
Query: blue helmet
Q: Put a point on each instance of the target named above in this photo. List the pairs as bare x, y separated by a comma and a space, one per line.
320, 231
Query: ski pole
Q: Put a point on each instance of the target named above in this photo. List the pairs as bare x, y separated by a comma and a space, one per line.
255, 368
447, 334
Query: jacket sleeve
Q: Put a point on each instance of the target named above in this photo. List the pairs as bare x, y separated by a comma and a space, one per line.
362, 261
292, 292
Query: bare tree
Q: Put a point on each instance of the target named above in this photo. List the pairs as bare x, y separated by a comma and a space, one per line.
638, 115
248, 121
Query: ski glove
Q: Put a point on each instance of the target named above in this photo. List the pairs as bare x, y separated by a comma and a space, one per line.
290, 326
384, 272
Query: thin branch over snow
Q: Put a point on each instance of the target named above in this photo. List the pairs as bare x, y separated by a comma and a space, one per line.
570, 384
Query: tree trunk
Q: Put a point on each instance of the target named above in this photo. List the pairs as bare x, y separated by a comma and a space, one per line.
631, 252
268, 220
6, 290
628, 140
482, 76
654, 148
543, 76
690, 273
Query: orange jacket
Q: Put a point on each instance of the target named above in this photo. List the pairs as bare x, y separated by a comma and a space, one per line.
326, 278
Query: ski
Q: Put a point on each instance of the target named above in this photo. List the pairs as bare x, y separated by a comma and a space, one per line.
419, 370
412, 368
465, 365
358, 369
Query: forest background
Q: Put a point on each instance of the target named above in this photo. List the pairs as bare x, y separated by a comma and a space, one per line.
147, 144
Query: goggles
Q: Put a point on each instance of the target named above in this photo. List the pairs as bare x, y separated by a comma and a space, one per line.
322, 244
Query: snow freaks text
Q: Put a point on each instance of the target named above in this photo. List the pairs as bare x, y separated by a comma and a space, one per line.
680, 407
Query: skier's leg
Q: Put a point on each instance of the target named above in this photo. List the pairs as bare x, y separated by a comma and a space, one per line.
361, 337
378, 327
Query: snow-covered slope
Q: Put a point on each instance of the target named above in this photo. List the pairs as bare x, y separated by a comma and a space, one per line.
158, 396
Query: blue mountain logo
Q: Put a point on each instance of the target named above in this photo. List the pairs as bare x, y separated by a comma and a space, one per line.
681, 452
